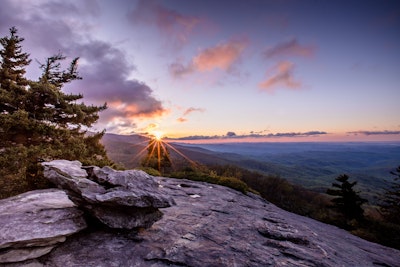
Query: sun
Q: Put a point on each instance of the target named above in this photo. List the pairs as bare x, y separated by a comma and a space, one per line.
158, 135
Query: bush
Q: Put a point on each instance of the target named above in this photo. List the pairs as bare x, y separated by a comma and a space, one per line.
233, 183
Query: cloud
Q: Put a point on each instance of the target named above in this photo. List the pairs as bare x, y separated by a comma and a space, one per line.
178, 70
196, 137
385, 132
222, 56
233, 135
298, 134
282, 76
181, 119
290, 48
189, 111
104, 67
174, 25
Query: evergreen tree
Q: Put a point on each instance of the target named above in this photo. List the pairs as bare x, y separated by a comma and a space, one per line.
39, 121
391, 199
348, 201
12, 69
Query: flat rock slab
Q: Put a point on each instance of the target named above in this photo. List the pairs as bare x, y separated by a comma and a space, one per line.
212, 225
33, 222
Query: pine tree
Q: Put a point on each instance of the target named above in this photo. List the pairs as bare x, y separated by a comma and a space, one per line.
39, 121
391, 199
348, 201
12, 69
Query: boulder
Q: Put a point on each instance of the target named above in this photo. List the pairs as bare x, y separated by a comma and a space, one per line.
118, 199
34, 222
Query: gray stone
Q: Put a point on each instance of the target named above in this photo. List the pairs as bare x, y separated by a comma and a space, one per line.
221, 227
22, 254
128, 199
33, 222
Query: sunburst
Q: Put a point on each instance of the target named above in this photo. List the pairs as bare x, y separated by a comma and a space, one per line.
158, 147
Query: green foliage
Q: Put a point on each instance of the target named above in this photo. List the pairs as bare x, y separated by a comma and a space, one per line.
38, 121
204, 174
390, 203
347, 201
233, 183
377, 231
279, 191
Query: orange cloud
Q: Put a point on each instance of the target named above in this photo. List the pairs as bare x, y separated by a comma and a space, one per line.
187, 112
283, 75
222, 56
290, 48
181, 119
132, 110
191, 109
121, 116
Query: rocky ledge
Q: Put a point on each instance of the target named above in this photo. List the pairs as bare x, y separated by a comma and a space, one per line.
119, 199
206, 225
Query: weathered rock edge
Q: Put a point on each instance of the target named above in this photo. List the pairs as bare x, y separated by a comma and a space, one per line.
125, 200
33, 223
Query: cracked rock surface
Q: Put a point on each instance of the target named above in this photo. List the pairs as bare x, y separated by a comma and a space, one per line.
211, 225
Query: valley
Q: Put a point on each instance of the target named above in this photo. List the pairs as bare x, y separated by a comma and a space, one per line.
312, 165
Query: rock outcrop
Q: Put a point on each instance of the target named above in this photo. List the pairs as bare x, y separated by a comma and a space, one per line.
125, 200
32, 224
211, 225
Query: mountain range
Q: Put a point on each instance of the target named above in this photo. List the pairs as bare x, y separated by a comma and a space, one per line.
313, 165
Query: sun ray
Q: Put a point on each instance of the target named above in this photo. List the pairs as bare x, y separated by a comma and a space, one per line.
181, 154
157, 148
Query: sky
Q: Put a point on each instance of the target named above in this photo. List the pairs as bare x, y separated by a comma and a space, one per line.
226, 70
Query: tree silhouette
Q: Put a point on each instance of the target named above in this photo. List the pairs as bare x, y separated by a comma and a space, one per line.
38, 120
12, 70
348, 201
391, 199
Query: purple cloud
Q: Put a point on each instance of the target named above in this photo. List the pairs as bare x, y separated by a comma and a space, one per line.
104, 67
233, 135
290, 48
174, 25
282, 76
385, 132
187, 112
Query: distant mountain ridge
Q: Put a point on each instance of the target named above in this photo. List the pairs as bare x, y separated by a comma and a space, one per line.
313, 165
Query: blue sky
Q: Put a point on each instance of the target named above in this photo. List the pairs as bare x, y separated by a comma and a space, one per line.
258, 70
